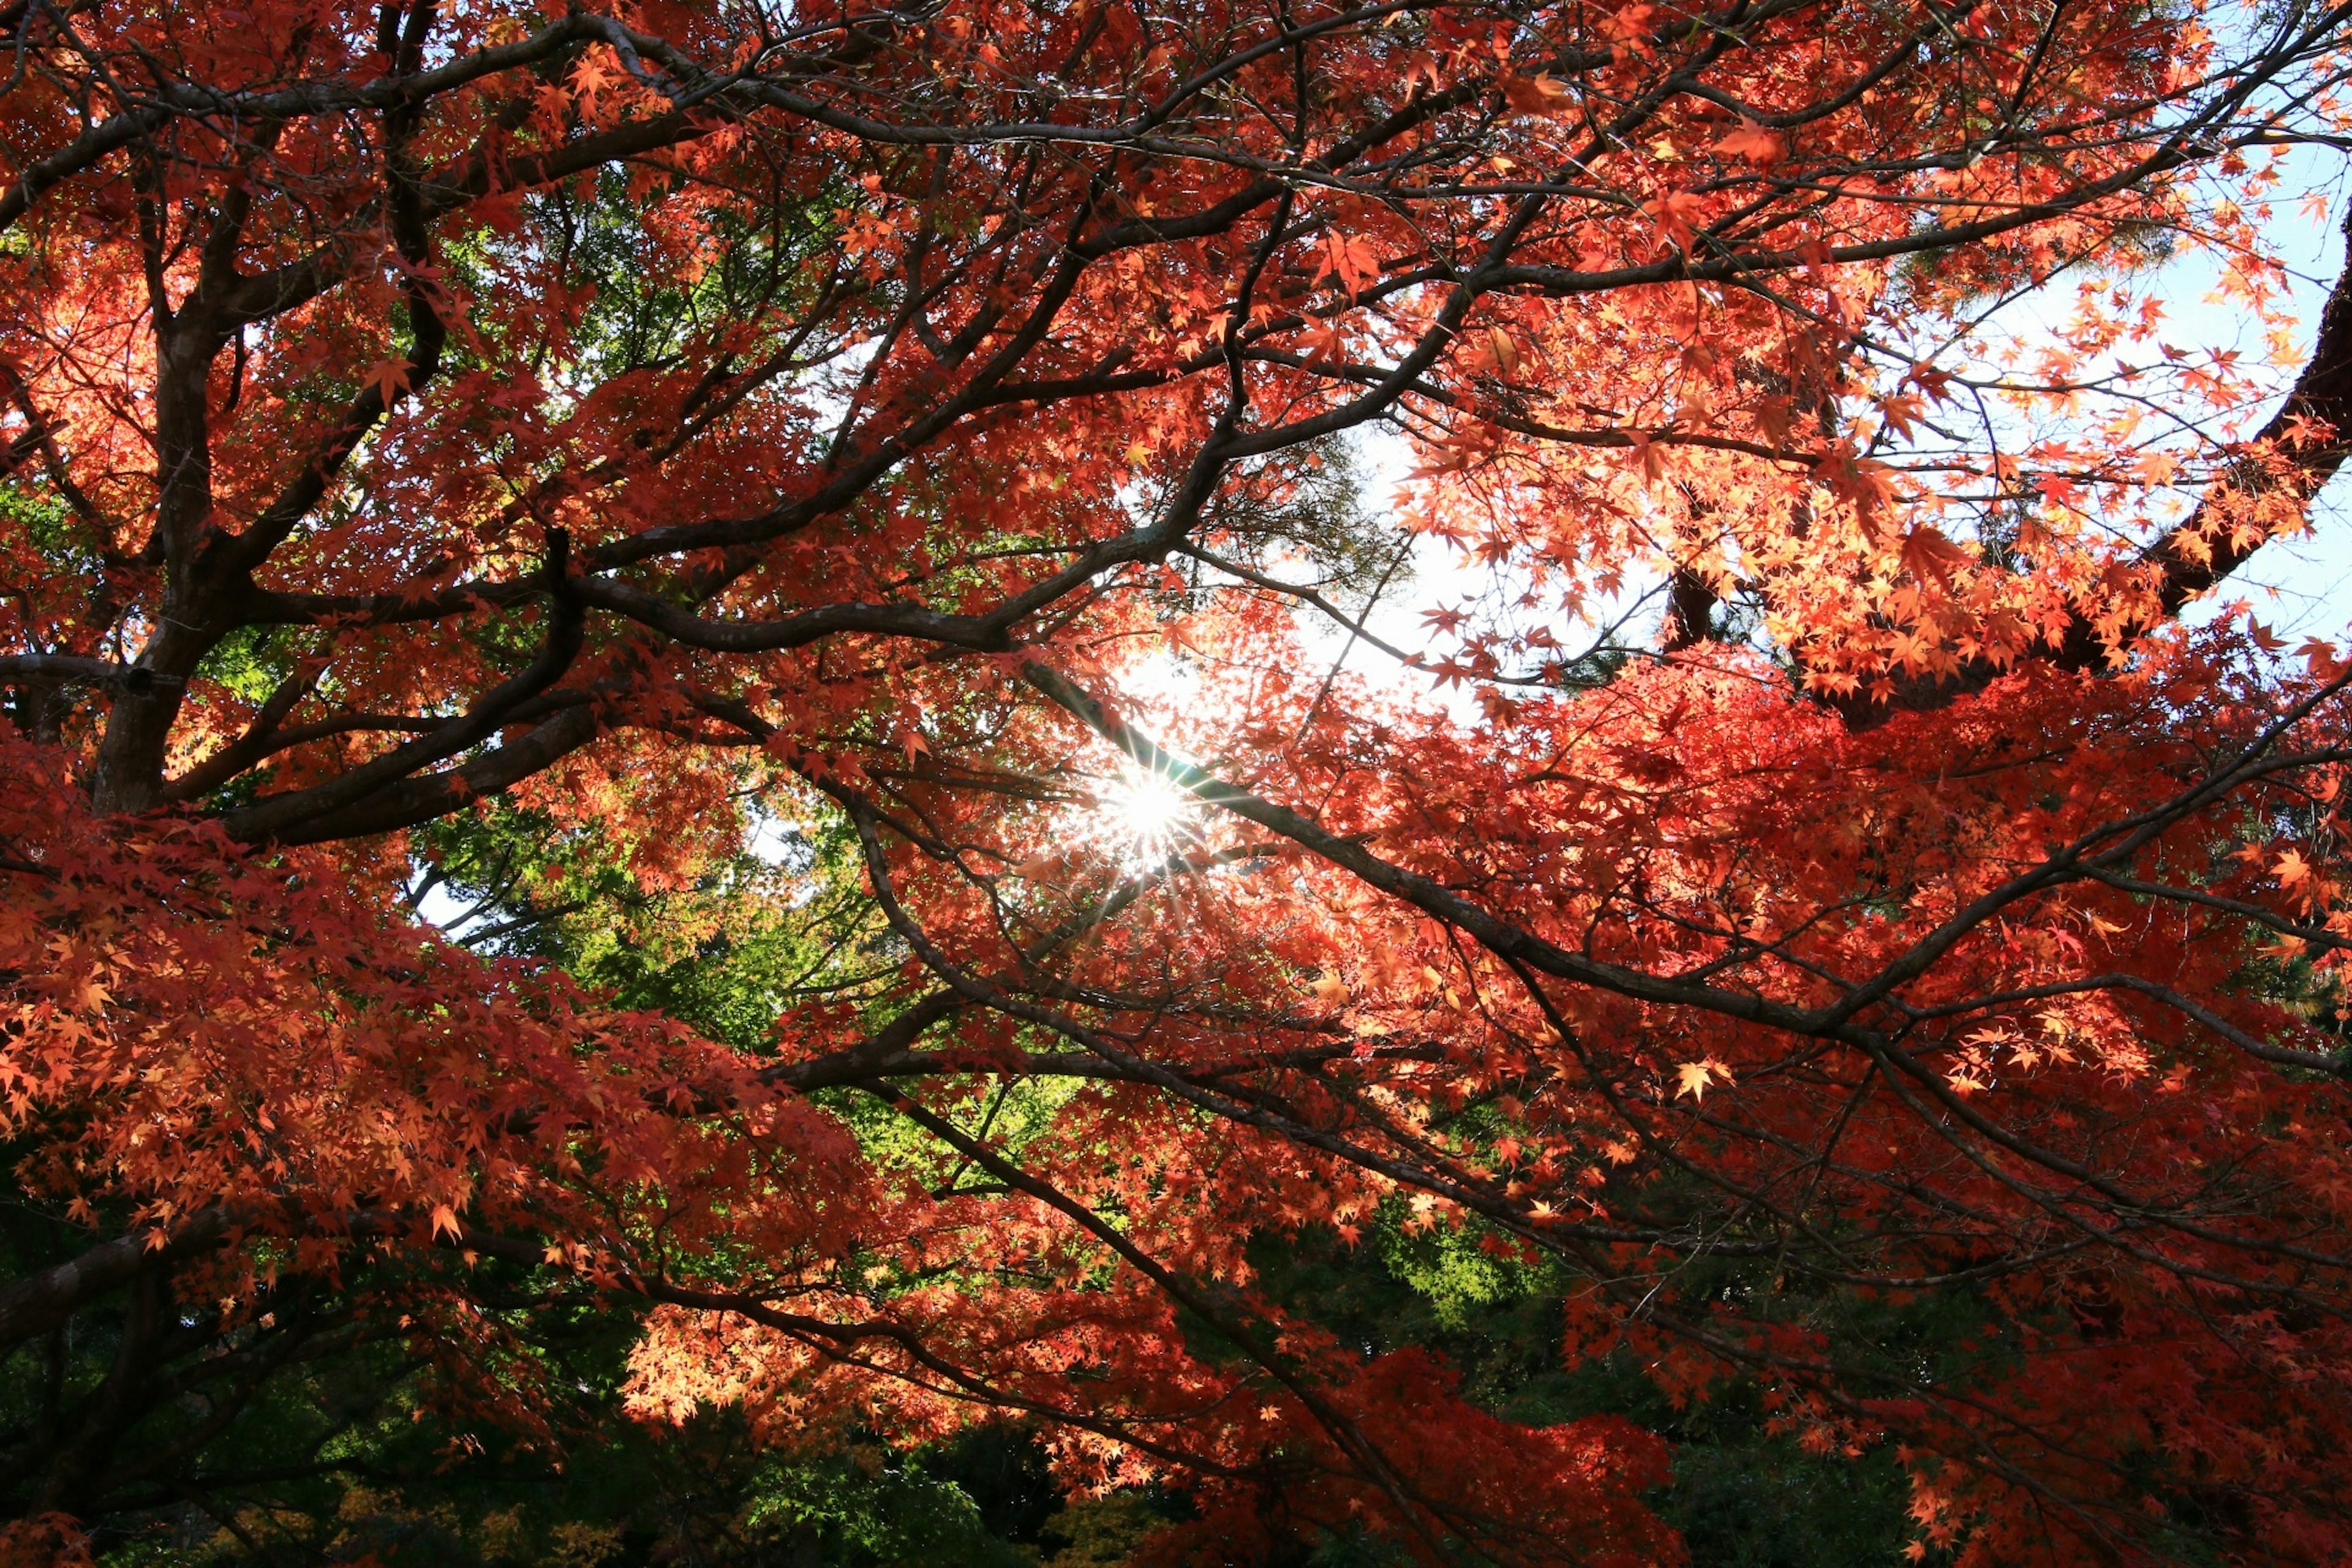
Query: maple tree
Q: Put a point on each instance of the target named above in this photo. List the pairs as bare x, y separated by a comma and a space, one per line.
566, 453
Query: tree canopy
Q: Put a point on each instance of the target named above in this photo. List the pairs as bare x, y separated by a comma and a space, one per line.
700, 736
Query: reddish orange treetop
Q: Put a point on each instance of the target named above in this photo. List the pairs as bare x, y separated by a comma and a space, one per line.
670, 419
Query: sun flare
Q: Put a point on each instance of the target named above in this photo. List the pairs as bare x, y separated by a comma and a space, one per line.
1145, 817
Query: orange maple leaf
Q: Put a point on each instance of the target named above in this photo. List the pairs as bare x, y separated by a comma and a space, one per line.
1752, 141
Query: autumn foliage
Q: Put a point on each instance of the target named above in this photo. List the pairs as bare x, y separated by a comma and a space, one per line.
1803, 885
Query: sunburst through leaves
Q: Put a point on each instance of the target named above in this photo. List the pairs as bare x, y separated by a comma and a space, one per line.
1143, 817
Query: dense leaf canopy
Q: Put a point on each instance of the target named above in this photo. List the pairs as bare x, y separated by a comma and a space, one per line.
838, 554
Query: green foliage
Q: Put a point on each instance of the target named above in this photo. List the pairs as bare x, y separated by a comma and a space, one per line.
860, 1505
759, 933
251, 661
46, 523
